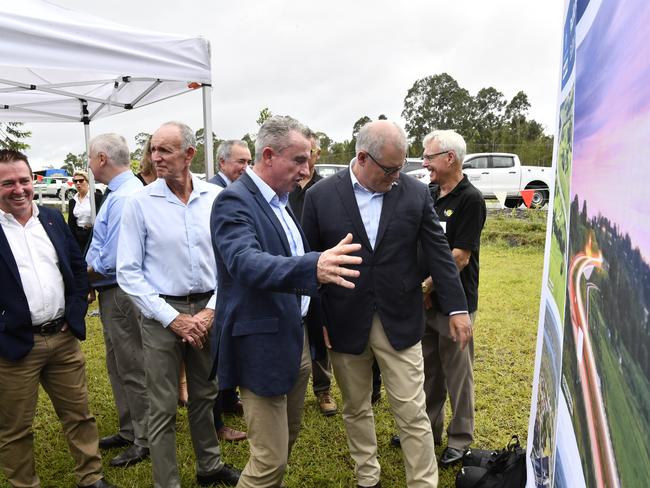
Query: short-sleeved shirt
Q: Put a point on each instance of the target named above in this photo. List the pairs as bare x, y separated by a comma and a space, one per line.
462, 215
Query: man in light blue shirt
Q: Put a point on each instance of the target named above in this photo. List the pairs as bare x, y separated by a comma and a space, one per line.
165, 263
110, 163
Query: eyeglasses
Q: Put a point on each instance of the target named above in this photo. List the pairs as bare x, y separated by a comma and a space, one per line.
430, 157
78, 181
388, 170
314, 150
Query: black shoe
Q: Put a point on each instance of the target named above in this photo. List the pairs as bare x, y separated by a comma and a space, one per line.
100, 483
132, 455
395, 441
226, 475
113, 441
378, 485
450, 456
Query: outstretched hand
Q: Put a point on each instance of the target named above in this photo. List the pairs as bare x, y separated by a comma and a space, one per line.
330, 267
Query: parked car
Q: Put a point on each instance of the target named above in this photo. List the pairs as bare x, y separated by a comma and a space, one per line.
327, 169
55, 187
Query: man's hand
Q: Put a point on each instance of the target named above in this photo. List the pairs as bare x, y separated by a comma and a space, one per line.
460, 329
92, 296
326, 338
427, 301
329, 268
206, 316
191, 329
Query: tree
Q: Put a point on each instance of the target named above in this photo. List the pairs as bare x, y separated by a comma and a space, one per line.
11, 135
487, 118
140, 140
436, 102
265, 113
73, 162
358, 124
198, 163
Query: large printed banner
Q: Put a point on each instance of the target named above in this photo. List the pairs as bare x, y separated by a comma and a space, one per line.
590, 414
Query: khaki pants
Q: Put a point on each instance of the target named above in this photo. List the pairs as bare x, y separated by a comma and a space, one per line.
273, 424
125, 363
448, 369
403, 375
57, 363
163, 353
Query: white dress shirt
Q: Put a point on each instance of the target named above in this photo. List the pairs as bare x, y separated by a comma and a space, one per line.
82, 210
38, 266
370, 204
165, 247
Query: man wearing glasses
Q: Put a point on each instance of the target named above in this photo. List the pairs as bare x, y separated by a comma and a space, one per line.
382, 318
448, 367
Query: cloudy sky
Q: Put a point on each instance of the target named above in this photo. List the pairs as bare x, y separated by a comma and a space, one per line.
329, 63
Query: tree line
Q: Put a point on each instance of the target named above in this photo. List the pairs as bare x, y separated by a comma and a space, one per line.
488, 122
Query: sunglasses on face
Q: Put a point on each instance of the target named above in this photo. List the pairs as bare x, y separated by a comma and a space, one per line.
78, 181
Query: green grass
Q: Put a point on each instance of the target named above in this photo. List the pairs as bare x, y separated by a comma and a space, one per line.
505, 348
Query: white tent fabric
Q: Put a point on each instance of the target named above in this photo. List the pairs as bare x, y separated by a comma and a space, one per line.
57, 64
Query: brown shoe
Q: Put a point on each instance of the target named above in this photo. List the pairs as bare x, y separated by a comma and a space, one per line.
230, 435
326, 403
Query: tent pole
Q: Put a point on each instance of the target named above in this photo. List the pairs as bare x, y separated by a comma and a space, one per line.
91, 177
207, 131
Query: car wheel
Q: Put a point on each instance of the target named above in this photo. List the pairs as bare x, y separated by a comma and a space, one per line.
69, 193
540, 197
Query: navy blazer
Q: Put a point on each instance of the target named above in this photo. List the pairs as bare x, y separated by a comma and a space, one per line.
16, 336
390, 280
218, 180
259, 331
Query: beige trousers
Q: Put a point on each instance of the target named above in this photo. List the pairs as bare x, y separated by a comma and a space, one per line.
273, 424
57, 363
403, 375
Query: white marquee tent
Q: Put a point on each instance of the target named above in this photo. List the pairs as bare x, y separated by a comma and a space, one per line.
58, 64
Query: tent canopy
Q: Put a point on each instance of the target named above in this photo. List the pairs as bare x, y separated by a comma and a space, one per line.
58, 64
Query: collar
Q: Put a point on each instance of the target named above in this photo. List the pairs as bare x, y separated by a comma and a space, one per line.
159, 188
225, 178
355, 182
6, 217
267, 192
118, 180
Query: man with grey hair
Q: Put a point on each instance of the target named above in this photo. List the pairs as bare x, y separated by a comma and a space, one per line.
448, 367
166, 264
267, 278
110, 163
382, 316
233, 157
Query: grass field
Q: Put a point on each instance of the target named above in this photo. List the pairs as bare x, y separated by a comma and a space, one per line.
505, 348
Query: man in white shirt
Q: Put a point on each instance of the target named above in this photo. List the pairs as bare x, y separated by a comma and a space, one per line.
43, 288
165, 263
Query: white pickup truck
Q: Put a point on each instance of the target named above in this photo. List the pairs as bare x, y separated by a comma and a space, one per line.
502, 173
495, 173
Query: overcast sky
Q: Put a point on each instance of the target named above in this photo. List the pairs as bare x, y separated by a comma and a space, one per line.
330, 63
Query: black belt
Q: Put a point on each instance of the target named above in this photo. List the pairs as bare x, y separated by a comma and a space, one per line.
105, 287
49, 328
191, 298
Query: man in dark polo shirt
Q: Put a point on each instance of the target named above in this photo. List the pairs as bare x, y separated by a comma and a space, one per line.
447, 368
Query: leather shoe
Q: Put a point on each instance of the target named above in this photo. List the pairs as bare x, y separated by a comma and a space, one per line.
378, 485
236, 408
450, 456
231, 435
132, 455
100, 483
395, 441
113, 441
226, 475
326, 403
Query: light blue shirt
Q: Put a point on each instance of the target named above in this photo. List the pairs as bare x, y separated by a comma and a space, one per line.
102, 253
278, 204
165, 247
370, 204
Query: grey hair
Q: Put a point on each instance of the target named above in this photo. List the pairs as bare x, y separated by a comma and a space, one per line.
274, 133
225, 148
187, 136
374, 141
448, 140
114, 146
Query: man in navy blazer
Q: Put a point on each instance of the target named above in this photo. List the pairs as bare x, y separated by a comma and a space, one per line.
233, 157
43, 298
382, 317
266, 276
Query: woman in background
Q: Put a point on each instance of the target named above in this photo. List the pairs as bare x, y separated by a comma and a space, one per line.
79, 218
147, 172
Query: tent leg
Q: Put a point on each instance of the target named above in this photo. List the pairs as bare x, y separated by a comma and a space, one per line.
91, 177
207, 131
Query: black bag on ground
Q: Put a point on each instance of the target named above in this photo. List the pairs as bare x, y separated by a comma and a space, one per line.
494, 469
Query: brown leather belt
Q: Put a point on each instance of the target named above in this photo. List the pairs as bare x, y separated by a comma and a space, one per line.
49, 328
191, 298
